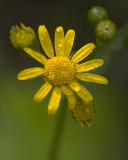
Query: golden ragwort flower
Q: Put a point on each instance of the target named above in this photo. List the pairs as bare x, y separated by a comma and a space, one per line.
22, 37
60, 71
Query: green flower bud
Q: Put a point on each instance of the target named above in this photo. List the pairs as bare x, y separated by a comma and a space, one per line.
105, 30
84, 112
97, 14
23, 37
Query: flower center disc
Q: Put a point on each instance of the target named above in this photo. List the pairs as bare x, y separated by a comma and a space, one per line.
59, 70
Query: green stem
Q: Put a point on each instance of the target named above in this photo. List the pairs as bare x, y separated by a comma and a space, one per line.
58, 132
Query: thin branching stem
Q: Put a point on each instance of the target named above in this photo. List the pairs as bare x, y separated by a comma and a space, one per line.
53, 154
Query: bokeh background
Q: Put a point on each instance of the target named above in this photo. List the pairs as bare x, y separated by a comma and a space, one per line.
26, 130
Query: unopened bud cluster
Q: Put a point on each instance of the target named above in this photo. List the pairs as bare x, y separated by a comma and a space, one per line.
105, 29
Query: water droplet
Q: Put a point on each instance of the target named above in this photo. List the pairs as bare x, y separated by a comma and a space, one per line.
60, 45
57, 101
58, 29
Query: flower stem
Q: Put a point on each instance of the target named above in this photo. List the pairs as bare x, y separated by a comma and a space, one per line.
53, 154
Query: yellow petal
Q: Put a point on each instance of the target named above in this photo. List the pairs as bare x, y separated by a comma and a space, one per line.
92, 78
89, 65
71, 101
66, 89
84, 94
42, 92
36, 55
83, 52
68, 42
59, 41
18, 28
30, 73
75, 85
54, 100
45, 41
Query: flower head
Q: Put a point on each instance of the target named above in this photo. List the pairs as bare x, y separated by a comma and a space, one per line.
97, 14
60, 72
105, 30
84, 112
23, 37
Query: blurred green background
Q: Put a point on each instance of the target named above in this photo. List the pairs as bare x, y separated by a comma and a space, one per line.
26, 130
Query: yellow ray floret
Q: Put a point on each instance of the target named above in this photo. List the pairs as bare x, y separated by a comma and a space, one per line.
71, 101
30, 73
75, 85
84, 94
92, 78
83, 53
45, 41
54, 100
42, 92
59, 41
59, 71
89, 65
66, 89
68, 42
36, 55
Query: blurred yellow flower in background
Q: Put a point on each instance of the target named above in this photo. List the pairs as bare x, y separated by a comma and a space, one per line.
84, 112
60, 71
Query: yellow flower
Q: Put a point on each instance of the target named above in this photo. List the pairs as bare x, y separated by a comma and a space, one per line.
84, 112
23, 36
60, 72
